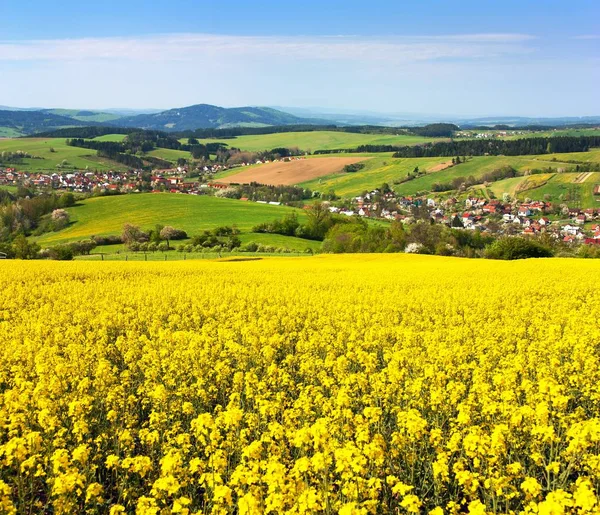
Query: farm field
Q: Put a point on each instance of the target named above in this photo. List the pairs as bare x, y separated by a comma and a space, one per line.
567, 187
110, 137
518, 185
317, 140
591, 156
169, 154
298, 386
557, 133
292, 172
571, 188
387, 169
107, 215
377, 170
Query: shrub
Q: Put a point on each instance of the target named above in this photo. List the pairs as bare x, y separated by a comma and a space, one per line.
250, 247
516, 248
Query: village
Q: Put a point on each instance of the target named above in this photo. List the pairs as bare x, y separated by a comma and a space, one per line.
528, 218
495, 216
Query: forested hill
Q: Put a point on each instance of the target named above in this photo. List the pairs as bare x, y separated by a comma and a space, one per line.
204, 116
30, 122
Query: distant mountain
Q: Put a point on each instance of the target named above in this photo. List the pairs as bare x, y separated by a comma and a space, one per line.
522, 121
31, 122
398, 119
205, 116
84, 115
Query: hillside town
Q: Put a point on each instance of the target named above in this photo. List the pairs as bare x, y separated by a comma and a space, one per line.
509, 216
506, 216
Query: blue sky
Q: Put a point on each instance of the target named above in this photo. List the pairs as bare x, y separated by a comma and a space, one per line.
445, 57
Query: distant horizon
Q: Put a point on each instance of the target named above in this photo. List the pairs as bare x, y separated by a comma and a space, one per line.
323, 111
511, 58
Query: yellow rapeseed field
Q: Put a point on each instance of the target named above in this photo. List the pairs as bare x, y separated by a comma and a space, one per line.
335, 384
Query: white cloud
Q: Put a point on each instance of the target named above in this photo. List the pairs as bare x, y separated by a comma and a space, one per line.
588, 36
191, 47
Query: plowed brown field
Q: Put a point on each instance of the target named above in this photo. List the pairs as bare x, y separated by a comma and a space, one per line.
291, 172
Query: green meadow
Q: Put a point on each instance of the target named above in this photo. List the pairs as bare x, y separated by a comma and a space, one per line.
107, 215
50, 152
378, 170
318, 140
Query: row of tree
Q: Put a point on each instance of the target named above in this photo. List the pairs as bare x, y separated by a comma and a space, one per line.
319, 221
517, 147
22, 214
427, 238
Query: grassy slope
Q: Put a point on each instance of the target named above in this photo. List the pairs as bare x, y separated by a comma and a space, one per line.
562, 185
275, 240
94, 117
110, 137
317, 140
169, 154
376, 172
107, 215
592, 156
9, 132
557, 133
12, 189
40, 147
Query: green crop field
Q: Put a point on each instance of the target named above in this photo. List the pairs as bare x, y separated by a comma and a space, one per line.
592, 156
563, 188
317, 140
169, 154
107, 215
387, 169
110, 137
377, 170
516, 186
556, 133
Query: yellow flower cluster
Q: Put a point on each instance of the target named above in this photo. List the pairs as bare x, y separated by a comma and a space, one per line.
336, 384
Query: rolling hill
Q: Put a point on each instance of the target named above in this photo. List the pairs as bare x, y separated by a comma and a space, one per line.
107, 215
20, 123
205, 116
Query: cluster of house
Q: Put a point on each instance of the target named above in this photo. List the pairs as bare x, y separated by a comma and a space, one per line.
78, 181
527, 218
130, 181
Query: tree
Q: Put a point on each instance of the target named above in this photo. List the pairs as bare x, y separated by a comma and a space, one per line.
22, 249
132, 233
516, 248
168, 233
66, 200
319, 221
60, 219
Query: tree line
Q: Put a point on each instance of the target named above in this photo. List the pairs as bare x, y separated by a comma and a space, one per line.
495, 147
482, 147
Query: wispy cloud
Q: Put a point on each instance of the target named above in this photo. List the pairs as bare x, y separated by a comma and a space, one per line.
588, 36
190, 47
